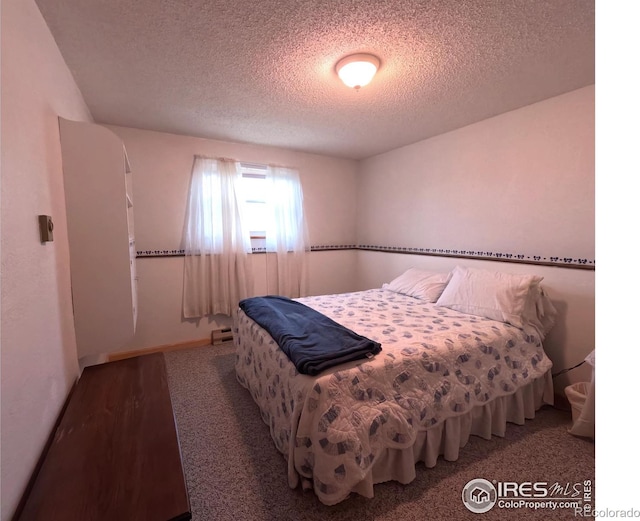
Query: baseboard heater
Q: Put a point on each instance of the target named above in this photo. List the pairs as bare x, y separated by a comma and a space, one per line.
218, 336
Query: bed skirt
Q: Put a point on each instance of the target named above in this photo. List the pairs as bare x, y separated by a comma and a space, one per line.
447, 438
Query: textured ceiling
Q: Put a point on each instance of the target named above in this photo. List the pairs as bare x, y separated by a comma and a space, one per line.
264, 71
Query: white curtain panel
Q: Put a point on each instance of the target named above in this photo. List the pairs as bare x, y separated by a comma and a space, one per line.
217, 266
287, 240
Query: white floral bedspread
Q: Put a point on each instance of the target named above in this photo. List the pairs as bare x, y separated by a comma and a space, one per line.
435, 363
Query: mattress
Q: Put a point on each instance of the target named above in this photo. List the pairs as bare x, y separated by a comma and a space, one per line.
441, 376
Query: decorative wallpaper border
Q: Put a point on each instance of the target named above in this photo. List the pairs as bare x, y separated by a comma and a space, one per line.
160, 253
563, 262
331, 247
180, 253
560, 261
335, 247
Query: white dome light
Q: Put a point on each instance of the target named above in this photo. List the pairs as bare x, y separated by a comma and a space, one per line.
357, 70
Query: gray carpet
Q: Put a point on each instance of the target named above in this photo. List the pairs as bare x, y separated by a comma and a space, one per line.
234, 472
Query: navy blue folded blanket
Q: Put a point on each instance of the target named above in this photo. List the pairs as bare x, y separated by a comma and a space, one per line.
311, 340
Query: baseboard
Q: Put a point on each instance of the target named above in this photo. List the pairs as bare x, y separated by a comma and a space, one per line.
112, 357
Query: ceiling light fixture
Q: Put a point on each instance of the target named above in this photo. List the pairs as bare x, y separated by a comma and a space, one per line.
357, 70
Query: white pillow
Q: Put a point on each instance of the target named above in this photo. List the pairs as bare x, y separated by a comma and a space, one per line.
495, 295
422, 284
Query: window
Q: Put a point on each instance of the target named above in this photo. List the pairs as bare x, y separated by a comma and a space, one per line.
267, 200
271, 200
233, 209
255, 197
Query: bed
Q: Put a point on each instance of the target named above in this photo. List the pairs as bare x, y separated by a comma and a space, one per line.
442, 375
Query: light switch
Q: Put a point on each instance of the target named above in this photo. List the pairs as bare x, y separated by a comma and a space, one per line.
46, 228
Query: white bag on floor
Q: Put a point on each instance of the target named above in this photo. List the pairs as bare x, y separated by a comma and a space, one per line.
582, 397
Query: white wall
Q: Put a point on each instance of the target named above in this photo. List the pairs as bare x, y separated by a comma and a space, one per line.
520, 183
39, 359
161, 165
